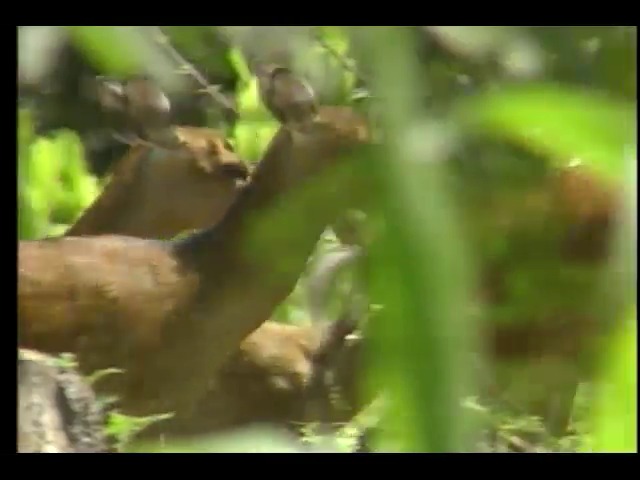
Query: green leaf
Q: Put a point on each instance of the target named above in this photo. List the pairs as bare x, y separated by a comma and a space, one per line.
419, 272
565, 124
110, 48
615, 412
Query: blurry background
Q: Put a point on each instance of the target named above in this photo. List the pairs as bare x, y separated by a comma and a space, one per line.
501, 104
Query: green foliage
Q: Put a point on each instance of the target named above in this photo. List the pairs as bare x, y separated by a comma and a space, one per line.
123, 428
99, 42
615, 415
32, 214
55, 191
253, 134
422, 271
564, 123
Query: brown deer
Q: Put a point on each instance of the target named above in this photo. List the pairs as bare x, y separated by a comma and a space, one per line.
203, 174
556, 236
284, 375
170, 313
559, 237
270, 359
282, 361
577, 212
538, 353
160, 192
585, 209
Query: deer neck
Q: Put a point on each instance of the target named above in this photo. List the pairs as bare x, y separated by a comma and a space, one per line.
108, 213
247, 270
249, 263
268, 194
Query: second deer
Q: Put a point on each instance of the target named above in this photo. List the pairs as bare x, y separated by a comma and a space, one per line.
171, 312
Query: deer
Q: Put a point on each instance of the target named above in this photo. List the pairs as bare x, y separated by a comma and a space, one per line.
579, 211
285, 376
65, 99
127, 206
565, 220
555, 346
203, 167
586, 223
568, 223
170, 312
201, 170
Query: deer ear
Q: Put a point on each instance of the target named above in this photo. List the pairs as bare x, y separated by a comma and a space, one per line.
110, 94
142, 93
288, 97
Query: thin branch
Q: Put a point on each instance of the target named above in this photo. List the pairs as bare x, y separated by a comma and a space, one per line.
133, 140
185, 66
347, 64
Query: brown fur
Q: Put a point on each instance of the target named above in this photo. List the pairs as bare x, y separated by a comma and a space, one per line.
270, 359
159, 193
269, 379
170, 313
266, 379
559, 236
261, 382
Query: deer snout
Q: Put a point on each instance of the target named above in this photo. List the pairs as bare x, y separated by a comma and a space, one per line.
234, 168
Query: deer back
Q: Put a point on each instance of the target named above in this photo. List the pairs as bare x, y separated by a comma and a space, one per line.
159, 192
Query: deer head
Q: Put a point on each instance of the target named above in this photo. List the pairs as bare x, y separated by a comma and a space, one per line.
174, 179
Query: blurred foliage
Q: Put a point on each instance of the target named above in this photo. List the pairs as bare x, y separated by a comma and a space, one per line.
55, 185
420, 275
564, 93
616, 418
554, 121
94, 42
